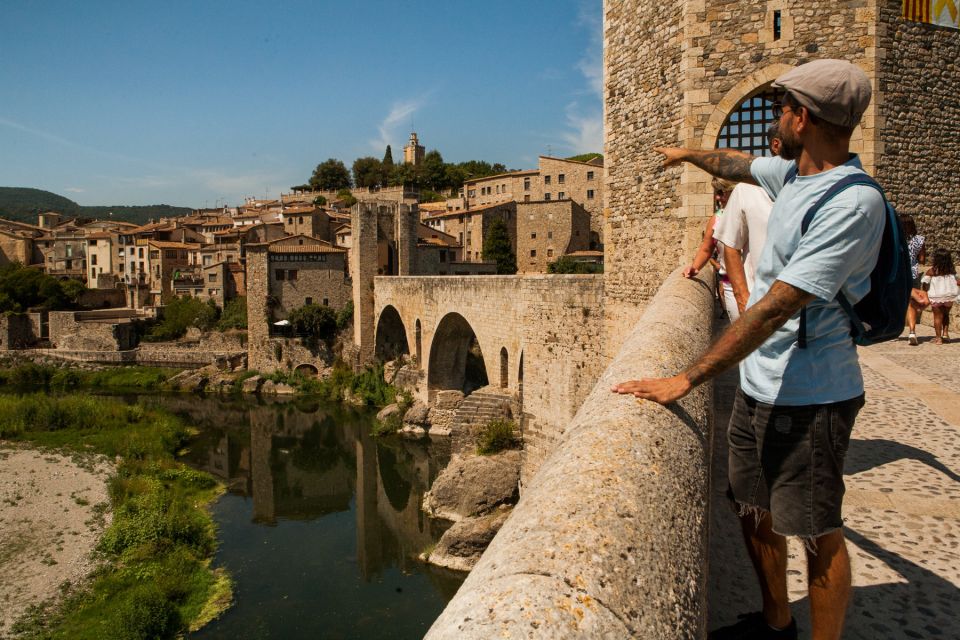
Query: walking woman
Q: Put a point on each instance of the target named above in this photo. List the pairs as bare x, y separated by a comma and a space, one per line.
918, 257
940, 283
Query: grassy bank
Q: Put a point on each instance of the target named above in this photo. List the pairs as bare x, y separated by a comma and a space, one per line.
367, 388
155, 581
29, 375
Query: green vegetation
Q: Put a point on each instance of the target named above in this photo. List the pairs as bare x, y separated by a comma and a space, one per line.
35, 376
234, 315
23, 288
565, 264
586, 157
497, 436
330, 175
345, 316
497, 248
23, 204
393, 422
179, 314
345, 196
156, 582
316, 321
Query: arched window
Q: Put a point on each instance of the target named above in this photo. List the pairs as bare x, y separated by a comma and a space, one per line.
504, 368
746, 126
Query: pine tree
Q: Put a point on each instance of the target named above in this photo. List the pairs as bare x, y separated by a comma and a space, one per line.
497, 248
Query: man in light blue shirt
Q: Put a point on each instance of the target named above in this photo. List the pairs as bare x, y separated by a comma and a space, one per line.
797, 403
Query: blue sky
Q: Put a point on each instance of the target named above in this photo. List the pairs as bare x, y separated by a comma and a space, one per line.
193, 103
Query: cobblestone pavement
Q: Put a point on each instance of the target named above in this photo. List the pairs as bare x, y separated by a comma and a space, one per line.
902, 507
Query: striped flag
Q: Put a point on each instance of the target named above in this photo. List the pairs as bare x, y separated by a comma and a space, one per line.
945, 13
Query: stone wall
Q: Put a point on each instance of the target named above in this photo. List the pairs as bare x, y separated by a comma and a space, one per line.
609, 540
15, 249
16, 332
544, 329
259, 351
68, 331
919, 142
582, 183
323, 282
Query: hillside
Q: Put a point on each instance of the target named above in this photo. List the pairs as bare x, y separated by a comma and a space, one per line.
22, 204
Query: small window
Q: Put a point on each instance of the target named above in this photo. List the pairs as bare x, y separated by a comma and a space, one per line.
561, 195
300, 220
589, 175
549, 253
170, 255
589, 194
211, 277
93, 260
309, 300
279, 275
550, 235
561, 178
533, 253
546, 196
546, 179
533, 236
326, 302
291, 274
777, 24
526, 184
526, 198
289, 220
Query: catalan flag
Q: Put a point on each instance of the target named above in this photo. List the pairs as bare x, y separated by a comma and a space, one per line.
945, 13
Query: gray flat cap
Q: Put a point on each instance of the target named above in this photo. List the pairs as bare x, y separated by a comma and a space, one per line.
833, 90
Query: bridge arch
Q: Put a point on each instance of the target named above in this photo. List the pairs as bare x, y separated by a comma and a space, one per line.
391, 336
504, 368
307, 369
456, 359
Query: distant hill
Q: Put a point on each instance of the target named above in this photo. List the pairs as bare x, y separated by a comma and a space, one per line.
586, 157
23, 204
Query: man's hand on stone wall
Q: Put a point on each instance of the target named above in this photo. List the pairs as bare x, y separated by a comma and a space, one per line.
660, 390
672, 156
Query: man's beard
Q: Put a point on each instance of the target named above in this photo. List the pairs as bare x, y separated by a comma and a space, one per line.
790, 149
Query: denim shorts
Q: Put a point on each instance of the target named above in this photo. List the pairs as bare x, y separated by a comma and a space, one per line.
788, 461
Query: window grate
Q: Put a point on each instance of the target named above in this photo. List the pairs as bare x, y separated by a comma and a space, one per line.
745, 128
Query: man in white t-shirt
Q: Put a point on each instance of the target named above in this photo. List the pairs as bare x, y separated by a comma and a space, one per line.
742, 232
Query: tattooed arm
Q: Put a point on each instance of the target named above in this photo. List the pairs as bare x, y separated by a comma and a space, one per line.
728, 164
746, 334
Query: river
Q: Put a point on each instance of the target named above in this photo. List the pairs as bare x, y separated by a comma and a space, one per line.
320, 526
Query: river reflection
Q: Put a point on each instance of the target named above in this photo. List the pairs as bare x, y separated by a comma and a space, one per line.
321, 524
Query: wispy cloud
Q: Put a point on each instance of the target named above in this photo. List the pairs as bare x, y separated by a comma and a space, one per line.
584, 130
400, 113
38, 133
75, 190
584, 115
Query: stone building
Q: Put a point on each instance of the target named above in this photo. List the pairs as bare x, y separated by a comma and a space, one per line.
413, 152
284, 275
555, 179
547, 230
701, 72
307, 220
100, 252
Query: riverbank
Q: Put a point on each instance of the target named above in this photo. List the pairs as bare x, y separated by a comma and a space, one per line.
153, 576
53, 512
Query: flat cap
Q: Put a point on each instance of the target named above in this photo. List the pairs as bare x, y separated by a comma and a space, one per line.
832, 90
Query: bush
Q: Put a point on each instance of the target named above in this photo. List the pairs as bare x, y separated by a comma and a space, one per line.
234, 315
314, 321
497, 436
24, 287
566, 264
179, 314
345, 316
145, 613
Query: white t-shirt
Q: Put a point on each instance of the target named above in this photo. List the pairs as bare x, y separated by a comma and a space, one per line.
743, 225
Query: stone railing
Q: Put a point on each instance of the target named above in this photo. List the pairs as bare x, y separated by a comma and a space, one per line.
610, 537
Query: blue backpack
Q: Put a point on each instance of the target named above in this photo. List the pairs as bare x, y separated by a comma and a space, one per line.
881, 314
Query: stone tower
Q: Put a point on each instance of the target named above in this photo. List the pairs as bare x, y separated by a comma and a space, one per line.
413, 153
363, 269
677, 70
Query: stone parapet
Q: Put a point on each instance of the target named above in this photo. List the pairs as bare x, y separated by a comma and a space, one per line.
609, 539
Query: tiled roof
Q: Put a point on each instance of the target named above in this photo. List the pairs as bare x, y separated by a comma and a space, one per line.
160, 244
304, 248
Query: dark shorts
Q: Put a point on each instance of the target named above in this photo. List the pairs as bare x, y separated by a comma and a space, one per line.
789, 461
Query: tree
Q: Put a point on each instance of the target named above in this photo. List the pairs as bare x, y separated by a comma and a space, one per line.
331, 175
346, 197
497, 248
314, 321
386, 167
434, 171
367, 172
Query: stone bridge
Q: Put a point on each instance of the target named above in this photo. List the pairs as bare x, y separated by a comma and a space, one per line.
538, 336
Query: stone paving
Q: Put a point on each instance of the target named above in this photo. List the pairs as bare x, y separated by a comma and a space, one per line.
902, 506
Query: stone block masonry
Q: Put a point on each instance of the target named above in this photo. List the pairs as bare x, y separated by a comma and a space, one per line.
609, 540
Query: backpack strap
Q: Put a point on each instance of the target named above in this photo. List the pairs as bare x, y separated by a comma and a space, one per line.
791, 174
840, 185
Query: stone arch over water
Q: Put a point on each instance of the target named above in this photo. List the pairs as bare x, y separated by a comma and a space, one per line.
391, 340
456, 359
307, 369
